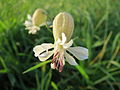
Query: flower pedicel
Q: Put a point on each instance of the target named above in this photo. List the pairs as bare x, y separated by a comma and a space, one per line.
63, 26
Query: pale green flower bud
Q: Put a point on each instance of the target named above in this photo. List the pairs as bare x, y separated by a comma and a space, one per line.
39, 17
63, 23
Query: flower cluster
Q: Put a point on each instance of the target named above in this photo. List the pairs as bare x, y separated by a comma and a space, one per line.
63, 27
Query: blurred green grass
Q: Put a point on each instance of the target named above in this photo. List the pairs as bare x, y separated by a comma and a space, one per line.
96, 27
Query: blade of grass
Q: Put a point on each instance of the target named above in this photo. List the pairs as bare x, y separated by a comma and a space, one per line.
36, 66
5, 70
54, 85
115, 63
37, 80
102, 52
105, 77
115, 41
114, 55
48, 79
43, 75
82, 71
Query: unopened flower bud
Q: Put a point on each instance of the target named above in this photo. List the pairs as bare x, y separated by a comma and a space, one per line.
39, 17
63, 23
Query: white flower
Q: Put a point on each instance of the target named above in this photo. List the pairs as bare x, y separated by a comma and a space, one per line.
63, 23
29, 26
35, 21
61, 53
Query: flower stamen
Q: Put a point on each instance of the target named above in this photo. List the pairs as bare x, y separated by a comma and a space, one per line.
58, 60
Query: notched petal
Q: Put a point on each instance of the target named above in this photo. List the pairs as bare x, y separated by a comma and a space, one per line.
63, 39
67, 45
80, 53
45, 56
70, 59
41, 48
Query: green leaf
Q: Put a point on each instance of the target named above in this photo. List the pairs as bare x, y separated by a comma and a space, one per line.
3, 71
115, 41
54, 85
82, 71
115, 63
3, 63
12, 79
37, 66
98, 43
105, 77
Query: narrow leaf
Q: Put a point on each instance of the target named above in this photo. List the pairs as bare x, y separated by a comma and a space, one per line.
37, 66
82, 71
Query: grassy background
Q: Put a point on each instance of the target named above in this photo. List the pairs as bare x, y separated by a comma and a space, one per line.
97, 27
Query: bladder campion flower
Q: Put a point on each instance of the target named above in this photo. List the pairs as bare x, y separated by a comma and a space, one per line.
34, 22
63, 26
63, 22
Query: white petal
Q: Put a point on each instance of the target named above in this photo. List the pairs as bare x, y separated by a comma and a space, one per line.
46, 56
63, 62
35, 28
43, 55
47, 45
63, 39
29, 17
68, 44
70, 59
43, 24
41, 48
80, 53
28, 23
52, 65
58, 41
32, 31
